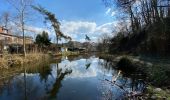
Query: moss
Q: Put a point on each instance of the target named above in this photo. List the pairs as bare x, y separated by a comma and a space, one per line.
159, 75
158, 93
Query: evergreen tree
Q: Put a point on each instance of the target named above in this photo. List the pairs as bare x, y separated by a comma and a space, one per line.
43, 39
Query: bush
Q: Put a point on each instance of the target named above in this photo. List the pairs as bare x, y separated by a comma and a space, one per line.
125, 64
160, 75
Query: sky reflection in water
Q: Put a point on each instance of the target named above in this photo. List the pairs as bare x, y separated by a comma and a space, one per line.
82, 79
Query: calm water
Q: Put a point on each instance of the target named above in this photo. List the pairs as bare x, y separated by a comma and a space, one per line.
77, 78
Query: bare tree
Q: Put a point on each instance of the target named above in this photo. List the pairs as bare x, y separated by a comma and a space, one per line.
149, 21
142, 13
4, 19
22, 9
104, 42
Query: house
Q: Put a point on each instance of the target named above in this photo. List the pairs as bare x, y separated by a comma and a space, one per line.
82, 47
7, 39
74, 46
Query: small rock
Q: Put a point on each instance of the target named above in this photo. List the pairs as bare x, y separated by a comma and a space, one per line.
147, 95
158, 89
149, 64
164, 98
153, 97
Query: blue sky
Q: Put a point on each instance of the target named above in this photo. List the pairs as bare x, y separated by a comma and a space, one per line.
77, 17
84, 10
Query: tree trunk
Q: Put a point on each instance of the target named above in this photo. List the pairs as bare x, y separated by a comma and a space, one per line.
23, 32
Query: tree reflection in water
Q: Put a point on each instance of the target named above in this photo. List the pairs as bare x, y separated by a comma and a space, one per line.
46, 81
7, 83
44, 72
131, 85
88, 63
57, 85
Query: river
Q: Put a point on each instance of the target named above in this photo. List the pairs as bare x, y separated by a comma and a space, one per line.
70, 78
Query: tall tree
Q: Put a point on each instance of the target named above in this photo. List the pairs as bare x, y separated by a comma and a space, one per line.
54, 21
142, 13
149, 23
22, 7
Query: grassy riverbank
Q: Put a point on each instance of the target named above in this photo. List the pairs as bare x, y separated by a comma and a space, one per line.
67, 53
42, 63
157, 75
10, 60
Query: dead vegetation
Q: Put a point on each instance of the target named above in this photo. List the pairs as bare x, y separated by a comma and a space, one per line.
11, 60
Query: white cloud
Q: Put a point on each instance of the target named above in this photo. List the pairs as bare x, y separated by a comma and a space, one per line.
78, 29
113, 13
108, 10
77, 26
36, 30
105, 28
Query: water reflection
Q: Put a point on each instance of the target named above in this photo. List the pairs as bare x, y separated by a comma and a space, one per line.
44, 73
74, 78
57, 85
132, 84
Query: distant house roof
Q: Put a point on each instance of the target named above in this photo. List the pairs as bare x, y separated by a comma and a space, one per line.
7, 38
2, 32
6, 34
